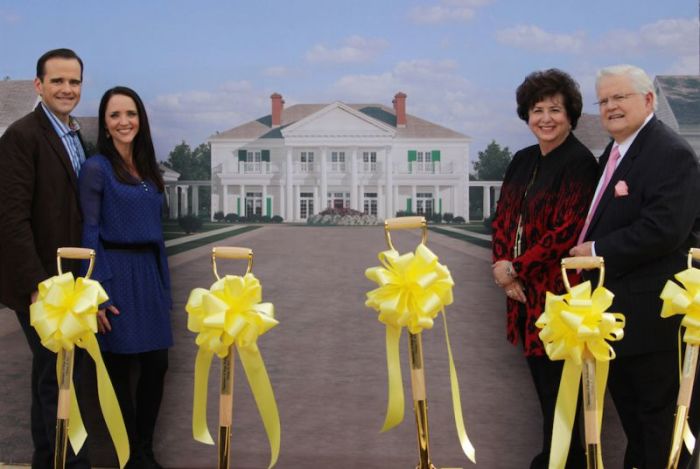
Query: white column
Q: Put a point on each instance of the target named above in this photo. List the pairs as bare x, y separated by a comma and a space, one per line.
462, 197
436, 199
295, 209
185, 206
414, 200
174, 201
467, 202
361, 198
242, 197
353, 182
389, 181
289, 187
324, 178
381, 205
195, 200
264, 200
487, 201
317, 204
224, 191
282, 202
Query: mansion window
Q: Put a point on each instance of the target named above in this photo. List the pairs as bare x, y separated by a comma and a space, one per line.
370, 203
338, 161
253, 203
307, 161
424, 203
306, 205
369, 161
253, 159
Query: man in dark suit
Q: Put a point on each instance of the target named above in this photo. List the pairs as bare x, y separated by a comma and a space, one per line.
644, 217
40, 157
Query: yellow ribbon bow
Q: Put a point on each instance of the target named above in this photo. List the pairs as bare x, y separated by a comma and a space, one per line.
230, 313
413, 289
572, 323
65, 316
685, 301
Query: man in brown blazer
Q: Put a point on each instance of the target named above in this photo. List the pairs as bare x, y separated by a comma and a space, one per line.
40, 157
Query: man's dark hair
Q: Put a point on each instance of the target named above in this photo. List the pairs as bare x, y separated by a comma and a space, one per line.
56, 54
541, 85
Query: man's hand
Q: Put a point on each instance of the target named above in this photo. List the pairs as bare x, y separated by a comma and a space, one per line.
584, 249
103, 325
33, 297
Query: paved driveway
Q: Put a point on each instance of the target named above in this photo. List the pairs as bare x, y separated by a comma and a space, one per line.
326, 361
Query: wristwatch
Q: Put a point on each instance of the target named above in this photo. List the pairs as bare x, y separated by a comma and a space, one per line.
510, 272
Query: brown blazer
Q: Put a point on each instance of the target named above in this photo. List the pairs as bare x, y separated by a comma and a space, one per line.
39, 210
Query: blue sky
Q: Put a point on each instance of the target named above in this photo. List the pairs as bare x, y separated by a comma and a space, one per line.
208, 66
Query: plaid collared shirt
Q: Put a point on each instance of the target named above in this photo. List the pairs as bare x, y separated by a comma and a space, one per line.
69, 137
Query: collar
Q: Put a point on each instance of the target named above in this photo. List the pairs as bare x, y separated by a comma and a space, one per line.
61, 128
627, 143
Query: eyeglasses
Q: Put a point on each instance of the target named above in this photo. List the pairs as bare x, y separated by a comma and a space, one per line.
614, 99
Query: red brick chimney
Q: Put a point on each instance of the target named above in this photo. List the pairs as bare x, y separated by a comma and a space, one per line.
277, 106
400, 108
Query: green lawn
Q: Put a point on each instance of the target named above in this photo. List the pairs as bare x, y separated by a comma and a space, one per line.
172, 230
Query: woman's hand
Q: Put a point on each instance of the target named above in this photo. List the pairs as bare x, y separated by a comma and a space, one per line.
515, 291
103, 325
503, 273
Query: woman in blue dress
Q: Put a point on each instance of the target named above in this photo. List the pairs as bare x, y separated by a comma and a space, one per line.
121, 196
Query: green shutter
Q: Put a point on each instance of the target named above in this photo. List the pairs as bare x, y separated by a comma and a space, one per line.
440, 204
242, 155
265, 155
238, 206
269, 200
436, 155
411, 155
408, 204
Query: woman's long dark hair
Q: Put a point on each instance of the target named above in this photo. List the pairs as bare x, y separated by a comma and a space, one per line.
144, 153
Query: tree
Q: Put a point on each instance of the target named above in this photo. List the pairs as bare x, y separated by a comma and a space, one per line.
492, 162
193, 165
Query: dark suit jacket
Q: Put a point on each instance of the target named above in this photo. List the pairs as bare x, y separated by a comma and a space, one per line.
645, 236
39, 209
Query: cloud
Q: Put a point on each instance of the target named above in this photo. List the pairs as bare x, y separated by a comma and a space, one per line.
9, 17
446, 10
536, 39
276, 71
355, 49
195, 115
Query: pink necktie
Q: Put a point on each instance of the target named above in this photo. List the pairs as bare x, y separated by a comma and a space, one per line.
609, 170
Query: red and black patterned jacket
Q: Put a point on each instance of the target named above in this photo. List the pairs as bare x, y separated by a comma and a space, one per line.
554, 211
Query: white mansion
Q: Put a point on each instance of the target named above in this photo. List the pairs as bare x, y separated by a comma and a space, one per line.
297, 161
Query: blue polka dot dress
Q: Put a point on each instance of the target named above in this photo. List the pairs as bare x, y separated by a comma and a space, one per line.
121, 222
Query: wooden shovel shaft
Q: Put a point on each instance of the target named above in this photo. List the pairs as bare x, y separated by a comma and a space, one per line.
590, 411
690, 364
63, 410
226, 409
420, 403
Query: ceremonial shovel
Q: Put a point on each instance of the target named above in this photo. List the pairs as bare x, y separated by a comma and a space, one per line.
690, 364
227, 363
66, 375
590, 404
420, 403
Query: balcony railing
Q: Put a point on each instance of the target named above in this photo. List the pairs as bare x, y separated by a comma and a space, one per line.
416, 167
245, 167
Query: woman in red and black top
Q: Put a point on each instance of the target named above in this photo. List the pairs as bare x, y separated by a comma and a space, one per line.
545, 195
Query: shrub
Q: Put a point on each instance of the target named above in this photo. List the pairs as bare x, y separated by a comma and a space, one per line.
190, 223
458, 220
219, 216
231, 217
448, 217
277, 219
434, 218
405, 213
265, 219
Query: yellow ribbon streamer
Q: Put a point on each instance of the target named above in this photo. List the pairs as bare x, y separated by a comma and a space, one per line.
230, 313
685, 301
65, 316
572, 323
413, 289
